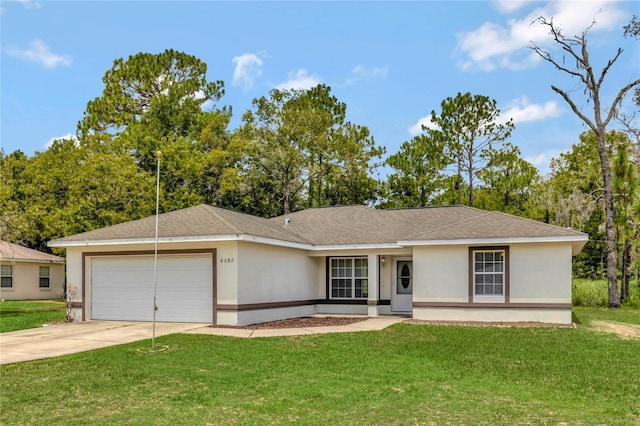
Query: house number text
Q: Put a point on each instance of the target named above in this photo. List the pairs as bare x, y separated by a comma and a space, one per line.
226, 260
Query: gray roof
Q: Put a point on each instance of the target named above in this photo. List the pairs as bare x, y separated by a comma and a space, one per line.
333, 226
349, 225
17, 253
199, 221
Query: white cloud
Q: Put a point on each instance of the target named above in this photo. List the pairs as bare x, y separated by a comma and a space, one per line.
362, 73
370, 74
39, 52
247, 69
521, 111
29, 4
416, 129
67, 136
510, 6
299, 80
495, 45
538, 159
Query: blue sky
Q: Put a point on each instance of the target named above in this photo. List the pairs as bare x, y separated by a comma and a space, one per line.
390, 62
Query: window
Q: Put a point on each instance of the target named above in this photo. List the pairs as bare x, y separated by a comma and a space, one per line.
349, 278
6, 276
489, 272
44, 277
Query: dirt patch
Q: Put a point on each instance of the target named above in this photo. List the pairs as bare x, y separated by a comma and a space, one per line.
303, 322
626, 331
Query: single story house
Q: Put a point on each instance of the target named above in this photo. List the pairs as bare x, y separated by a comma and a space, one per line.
218, 266
29, 274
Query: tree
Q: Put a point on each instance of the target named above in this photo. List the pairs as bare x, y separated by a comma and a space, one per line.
417, 176
299, 147
625, 187
468, 127
507, 181
576, 48
147, 98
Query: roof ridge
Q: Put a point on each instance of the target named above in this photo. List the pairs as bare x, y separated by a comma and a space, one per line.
212, 210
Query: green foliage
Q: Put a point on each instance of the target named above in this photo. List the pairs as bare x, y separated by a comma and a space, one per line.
587, 292
300, 146
417, 176
406, 374
23, 314
508, 181
469, 129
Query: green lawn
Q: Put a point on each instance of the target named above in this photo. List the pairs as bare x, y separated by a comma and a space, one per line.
406, 374
23, 314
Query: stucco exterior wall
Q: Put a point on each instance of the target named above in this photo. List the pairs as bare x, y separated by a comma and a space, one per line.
540, 273
539, 285
275, 274
440, 274
26, 281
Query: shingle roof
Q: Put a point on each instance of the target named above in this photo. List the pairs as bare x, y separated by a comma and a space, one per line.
333, 226
16, 253
199, 221
362, 225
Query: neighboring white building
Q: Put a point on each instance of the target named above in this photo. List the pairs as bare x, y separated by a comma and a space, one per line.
218, 266
29, 274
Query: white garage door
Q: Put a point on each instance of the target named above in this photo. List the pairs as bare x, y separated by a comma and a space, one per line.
122, 288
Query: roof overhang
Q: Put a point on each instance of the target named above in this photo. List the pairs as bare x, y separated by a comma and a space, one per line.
13, 260
194, 239
576, 241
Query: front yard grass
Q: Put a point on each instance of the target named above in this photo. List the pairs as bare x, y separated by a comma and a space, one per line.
23, 314
406, 374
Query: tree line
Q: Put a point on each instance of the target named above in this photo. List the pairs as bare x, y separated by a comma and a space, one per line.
295, 149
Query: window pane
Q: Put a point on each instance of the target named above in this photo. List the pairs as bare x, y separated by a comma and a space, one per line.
6, 270
479, 289
6, 282
478, 256
479, 279
44, 271
498, 289
44, 282
479, 267
488, 256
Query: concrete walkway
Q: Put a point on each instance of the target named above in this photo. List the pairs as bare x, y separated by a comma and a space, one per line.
370, 324
64, 339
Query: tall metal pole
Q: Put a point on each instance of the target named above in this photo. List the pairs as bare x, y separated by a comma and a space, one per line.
155, 253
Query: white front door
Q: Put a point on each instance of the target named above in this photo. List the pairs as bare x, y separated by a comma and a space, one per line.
402, 291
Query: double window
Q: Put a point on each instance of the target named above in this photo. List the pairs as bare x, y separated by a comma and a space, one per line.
489, 272
349, 278
6, 276
44, 277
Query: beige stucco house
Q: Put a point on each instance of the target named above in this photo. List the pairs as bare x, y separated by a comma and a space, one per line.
29, 274
223, 267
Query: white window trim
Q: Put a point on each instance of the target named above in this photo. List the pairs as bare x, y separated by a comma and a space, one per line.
353, 278
490, 297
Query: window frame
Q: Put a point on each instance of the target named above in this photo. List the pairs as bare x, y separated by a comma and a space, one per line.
358, 281
4, 275
47, 277
473, 296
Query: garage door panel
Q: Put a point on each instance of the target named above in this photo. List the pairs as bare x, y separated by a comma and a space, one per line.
122, 288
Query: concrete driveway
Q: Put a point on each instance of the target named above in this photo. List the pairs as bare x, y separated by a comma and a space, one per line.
64, 339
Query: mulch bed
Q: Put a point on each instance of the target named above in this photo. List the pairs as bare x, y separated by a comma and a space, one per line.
303, 322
